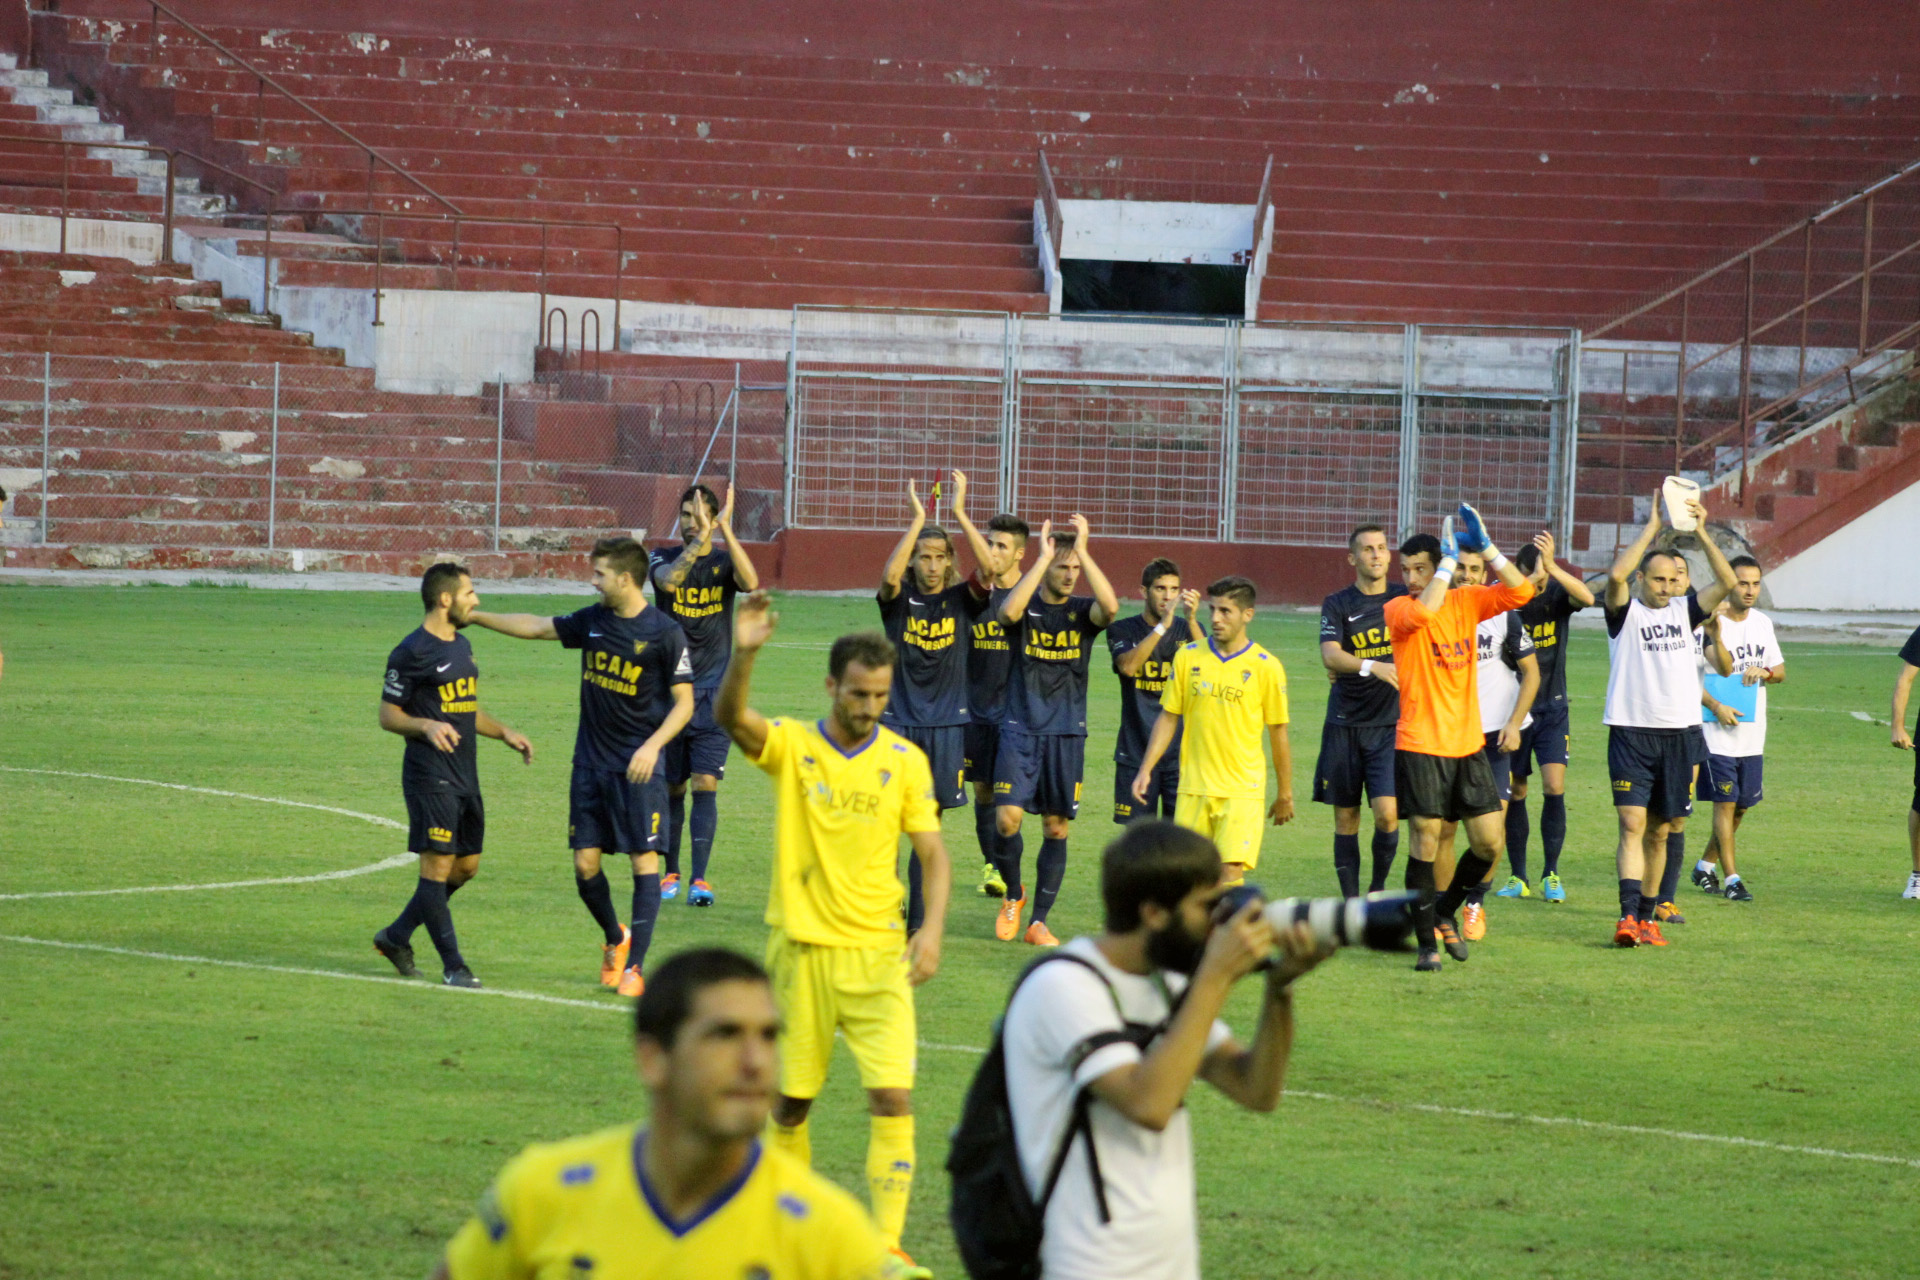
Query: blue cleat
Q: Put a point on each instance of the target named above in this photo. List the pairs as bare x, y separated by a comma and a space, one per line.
1550, 889
670, 886
700, 895
1515, 887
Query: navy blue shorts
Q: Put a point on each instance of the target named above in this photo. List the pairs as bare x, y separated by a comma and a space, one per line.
1652, 769
445, 822
1548, 740
1731, 780
1352, 758
1163, 784
701, 747
982, 748
945, 745
1501, 763
1040, 773
607, 812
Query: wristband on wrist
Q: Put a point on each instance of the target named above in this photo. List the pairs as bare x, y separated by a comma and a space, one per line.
1445, 572
1160, 630
1366, 666
1496, 562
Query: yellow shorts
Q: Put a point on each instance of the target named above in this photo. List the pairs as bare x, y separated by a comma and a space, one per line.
859, 991
1234, 825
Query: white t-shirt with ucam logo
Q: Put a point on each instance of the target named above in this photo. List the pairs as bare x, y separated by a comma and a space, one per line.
1751, 643
1653, 680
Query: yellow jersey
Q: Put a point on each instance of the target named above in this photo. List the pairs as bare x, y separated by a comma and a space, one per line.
582, 1210
838, 819
1226, 702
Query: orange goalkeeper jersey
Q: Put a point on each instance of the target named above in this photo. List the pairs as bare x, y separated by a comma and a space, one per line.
1434, 656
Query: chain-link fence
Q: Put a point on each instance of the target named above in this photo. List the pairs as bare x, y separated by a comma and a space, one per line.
1259, 433
288, 457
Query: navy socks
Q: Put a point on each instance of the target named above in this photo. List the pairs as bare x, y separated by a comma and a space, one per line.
1346, 863
1385, 845
1553, 832
1048, 873
599, 900
646, 909
701, 825
1519, 828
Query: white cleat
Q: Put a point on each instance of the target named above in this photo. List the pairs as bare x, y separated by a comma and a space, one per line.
1913, 886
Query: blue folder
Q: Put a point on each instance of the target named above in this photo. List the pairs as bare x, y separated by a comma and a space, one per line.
1733, 692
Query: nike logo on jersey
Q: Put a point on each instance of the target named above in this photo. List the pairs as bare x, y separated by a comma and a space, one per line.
1355, 617
443, 666
593, 635
912, 601
1033, 613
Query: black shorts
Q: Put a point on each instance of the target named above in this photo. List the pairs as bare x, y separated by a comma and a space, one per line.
609, 813
1353, 758
445, 822
1163, 784
945, 745
1548, 740
701, 747
1040, 773
1653, 768
982, 748
1449, 788
1734, 780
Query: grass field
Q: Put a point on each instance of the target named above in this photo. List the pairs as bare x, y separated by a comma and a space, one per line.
164, 1115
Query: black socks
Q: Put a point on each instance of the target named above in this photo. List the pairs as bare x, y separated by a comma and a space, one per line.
701, 825
1385, 845
1420, 880
430, 902
1346, 863
1048, 873
646, 909
599, 899
1553, 832
1518, 829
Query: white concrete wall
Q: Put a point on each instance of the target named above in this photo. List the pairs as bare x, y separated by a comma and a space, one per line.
1866, 565
101, 237
1156, 231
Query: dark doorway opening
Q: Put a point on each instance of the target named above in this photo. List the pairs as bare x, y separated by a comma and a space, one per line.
1164, 288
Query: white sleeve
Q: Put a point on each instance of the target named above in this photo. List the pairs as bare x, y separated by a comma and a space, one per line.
1066, 1019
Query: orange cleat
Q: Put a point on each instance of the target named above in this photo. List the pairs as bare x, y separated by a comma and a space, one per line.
1006, 923
1627, 932
1473, 922
631, 983
1650, 935
613, 958
1039, 935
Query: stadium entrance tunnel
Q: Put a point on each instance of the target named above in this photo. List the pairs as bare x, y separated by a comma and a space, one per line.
1152, 288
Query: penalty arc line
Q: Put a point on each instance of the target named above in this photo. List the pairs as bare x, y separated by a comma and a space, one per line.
385, 864
1470, 1113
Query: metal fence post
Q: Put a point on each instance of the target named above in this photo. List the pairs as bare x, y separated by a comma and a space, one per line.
1013, 331
1572, 452
46, 444
733, 444
499, 449
273, 462
1230, 432
1409, 499
793, 417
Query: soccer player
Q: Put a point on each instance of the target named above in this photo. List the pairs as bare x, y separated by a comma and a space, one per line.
1043, 739
1731, 778
692, 1192
696, 586
1143, 647
1903, 741
1223, 692
636, 693
1653, 709
431, 698
1558, 595
996, 557
845, 789
930, 621
1508, 676
1356, 743
1441, 770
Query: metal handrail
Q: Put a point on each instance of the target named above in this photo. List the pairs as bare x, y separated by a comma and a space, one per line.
265, 81
1257, 256
173, 154
1050, 208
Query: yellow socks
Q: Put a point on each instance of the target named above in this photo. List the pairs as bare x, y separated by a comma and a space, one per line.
890, 1173
796, 1142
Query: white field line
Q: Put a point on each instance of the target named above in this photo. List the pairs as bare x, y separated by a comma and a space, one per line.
1470, 1113
397, 860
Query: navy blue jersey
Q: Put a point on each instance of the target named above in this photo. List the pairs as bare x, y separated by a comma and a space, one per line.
1052, 645
703, 606
1140, 694
934, 634
989, 663
434, 679
627, 669
1356, 622
1545, 618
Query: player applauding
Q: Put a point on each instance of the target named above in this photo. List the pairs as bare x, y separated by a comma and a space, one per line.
1548, 741
1143, 648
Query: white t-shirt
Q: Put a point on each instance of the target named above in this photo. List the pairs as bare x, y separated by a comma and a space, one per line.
1148, 1176
1751, 643
1501, 641
1653, 680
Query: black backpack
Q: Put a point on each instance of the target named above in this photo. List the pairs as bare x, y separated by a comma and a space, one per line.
997, 1221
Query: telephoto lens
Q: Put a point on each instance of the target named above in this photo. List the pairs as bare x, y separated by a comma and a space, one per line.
1379, 921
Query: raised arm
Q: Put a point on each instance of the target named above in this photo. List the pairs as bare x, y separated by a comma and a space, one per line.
1723, 580
1621, 574
487, 727
521, 626
753, 624
1254, 1075
976, 542
1017, 599
1190, 605
1128, 664
896, 570
1577, 591
670, 578
745, 576
1106, 605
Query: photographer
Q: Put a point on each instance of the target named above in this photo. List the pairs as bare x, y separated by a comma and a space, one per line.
1132, 1017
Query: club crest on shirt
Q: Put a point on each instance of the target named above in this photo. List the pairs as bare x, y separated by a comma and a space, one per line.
1245, 676
639, 647
886, 776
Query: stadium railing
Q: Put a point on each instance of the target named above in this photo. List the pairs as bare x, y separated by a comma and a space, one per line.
66, 210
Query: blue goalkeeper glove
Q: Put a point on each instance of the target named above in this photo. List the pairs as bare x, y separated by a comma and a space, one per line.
1473, 530
1449, 545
